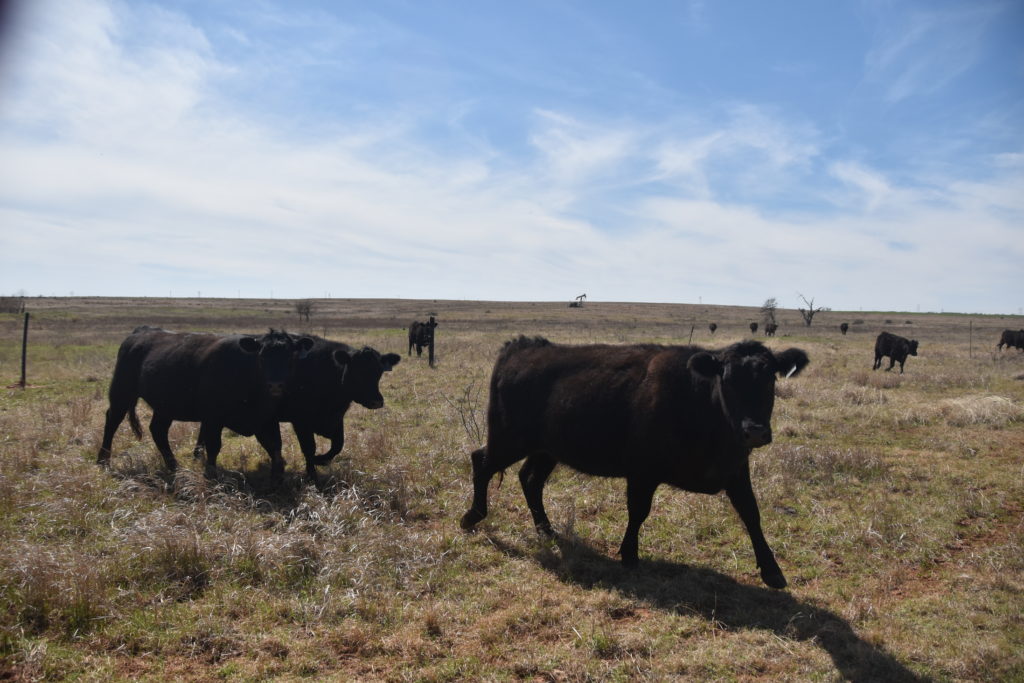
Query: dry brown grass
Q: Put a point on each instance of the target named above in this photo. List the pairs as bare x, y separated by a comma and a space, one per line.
894, 503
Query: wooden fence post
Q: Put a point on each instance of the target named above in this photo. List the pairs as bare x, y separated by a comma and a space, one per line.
24, 349
431, 325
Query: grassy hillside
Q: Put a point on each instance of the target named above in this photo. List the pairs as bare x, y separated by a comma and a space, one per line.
894, 504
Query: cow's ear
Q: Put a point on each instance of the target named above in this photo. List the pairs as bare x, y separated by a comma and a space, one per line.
249, 345
704, 364
390, 360
791, 361
341, 358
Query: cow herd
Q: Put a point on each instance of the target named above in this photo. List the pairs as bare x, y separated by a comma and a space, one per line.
651, 414
248, 384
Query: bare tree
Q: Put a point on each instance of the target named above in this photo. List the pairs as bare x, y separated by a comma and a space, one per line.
304, 309
808, 313
768, 309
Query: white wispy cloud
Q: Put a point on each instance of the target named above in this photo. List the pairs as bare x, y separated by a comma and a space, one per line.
921, 53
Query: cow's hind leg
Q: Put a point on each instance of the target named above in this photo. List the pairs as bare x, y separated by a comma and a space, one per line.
741, 494
532, 477
158, 428
485, 465
639, 494
113, 421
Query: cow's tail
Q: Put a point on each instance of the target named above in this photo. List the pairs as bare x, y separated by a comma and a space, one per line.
133, 421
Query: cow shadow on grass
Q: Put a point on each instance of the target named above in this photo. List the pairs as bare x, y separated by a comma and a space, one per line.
711, 595
255, 486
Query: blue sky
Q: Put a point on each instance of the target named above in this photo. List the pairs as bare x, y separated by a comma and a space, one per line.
867, 154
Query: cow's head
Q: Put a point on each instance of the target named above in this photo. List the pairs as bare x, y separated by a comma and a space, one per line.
746, 388
361, 373
913, 347
276, 352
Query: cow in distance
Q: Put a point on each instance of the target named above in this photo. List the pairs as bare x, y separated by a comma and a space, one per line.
233, 381
844, 328
421, 335
770, 329
897, 348
652, 414
753, 328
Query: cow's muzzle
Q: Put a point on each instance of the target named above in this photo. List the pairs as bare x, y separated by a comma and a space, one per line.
756, 434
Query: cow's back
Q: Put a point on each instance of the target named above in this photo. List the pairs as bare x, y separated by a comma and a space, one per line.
590, 407
192, 377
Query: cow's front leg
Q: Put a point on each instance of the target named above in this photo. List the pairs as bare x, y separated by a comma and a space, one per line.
639, 494
307, 444
269, 436
210, 438
741, 494
481, 478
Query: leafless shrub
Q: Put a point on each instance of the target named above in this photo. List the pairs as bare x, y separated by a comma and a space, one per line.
304, 309
469, 411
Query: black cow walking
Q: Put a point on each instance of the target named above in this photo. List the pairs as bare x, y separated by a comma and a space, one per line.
677, 415
894, 346
753, 328
770, 329
844, 328
713, 327
1011, 339
234, 381
421, 335
325, 381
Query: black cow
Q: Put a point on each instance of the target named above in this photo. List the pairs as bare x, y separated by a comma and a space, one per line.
770, 329
753, 328
713, 327
844, 328
1011, 339
234, 381
325, 380
677, 415
894, 346
420, 335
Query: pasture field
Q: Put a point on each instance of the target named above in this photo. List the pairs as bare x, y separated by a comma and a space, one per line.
893, 503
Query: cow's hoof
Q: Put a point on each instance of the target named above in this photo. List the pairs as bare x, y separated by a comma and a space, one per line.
544, 529
470, 519
210, 472
774, 579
